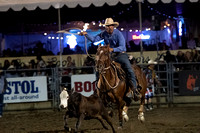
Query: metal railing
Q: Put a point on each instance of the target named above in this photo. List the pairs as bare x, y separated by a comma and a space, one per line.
168, 75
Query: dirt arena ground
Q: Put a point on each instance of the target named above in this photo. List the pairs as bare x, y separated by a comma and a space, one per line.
159, 120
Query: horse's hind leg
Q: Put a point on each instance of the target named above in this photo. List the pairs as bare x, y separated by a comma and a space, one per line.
141, 110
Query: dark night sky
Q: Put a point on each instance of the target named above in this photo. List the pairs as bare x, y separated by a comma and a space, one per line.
17, 20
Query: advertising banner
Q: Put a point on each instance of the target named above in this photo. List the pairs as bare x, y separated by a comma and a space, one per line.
189, 82
26, 89
84, 84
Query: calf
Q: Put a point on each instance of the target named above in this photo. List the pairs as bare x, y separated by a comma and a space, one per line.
82, 107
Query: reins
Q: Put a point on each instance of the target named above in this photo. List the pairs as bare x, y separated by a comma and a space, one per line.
115, 73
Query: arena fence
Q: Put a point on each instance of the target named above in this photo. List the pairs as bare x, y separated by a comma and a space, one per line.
180, 85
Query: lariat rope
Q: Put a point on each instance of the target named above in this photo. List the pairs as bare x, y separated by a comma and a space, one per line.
116, 79
67, 31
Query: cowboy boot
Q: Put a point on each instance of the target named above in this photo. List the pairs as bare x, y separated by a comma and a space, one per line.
135, 93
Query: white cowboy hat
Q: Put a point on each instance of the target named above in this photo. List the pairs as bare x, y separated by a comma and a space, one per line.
161, 59
109, 21
151, 62
11, 67
198, 48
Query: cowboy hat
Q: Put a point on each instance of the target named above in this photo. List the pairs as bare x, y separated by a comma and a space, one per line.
11, 67
109, 21
151, 62
198, 48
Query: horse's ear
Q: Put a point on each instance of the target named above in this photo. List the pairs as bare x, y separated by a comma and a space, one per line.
99, 45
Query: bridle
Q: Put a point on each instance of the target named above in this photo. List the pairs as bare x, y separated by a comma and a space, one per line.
102, 69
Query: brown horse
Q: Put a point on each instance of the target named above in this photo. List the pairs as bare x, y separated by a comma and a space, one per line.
114, 86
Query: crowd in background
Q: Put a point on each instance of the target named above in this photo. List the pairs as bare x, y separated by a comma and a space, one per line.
192, 55
180, 57
187, 43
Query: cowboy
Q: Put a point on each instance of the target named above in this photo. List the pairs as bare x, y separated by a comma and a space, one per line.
116, 40
152, 78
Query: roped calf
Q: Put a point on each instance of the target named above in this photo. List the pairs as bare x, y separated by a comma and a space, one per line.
82, 107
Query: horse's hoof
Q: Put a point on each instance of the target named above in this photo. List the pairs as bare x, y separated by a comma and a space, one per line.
141, 117
68, 129
125, 116
119, 128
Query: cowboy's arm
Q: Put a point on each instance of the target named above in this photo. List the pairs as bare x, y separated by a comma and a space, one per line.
91, 38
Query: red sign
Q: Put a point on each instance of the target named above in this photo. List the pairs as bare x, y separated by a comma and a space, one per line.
86, 86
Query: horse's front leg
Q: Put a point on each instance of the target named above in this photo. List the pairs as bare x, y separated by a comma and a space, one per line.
120, 109
141, 109
78, 123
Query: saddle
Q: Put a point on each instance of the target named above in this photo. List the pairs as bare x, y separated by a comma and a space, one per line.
122, 76
120, 72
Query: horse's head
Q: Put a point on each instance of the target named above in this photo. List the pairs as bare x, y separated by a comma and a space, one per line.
102, 57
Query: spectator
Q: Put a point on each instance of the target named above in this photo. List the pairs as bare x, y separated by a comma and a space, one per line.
31, 68
68, 71
12, 69
49, 66
191, 43
180, 59
39, 50
188, 56
196, 58
169, 57
78, 50
89, 61
163, 45
67, 50
151, 80
180, 56
3, 86
198, 42
24, 66
40, 65
6, 64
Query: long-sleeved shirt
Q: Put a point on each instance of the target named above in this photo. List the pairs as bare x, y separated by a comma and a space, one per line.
116, 40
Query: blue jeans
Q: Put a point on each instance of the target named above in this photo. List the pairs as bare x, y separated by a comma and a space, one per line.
122, 58
1, 104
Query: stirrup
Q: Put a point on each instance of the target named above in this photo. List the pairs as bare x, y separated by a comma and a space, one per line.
136, 96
